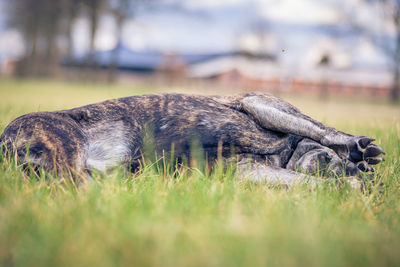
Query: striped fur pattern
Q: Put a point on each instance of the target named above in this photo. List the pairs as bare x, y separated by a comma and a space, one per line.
258, 125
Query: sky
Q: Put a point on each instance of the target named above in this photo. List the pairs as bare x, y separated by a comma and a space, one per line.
298, 27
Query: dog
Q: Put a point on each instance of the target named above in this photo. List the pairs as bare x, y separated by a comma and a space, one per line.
268, 135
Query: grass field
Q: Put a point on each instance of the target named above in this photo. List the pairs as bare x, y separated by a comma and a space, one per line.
193, 219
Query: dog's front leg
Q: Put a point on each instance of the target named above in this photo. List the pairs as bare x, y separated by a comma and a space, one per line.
263, 173
275, 114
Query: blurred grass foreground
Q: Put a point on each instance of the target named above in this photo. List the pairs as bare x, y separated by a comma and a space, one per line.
193, 219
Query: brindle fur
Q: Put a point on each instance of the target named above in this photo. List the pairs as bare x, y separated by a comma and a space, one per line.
102, 135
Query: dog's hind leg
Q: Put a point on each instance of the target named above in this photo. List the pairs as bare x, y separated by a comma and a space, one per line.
259, 172
275, 114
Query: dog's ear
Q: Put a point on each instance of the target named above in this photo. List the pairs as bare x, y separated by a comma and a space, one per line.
78, 116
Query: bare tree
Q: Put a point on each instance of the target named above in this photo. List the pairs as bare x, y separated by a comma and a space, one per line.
71, 9
41, 22
391, 8
94, 9
52, 12
390, 45
38, 21
261, 29
19, 18
387, 11
121, 10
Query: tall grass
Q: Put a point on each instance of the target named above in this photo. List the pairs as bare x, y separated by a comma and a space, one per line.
188, 218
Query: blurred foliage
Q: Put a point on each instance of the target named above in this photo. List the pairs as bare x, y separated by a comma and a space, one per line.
43, 23
46, 26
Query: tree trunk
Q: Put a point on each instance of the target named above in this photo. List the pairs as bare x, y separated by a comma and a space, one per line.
113, 65
70, 45
93, 29
94, 10
395, 94
51, 56
29, 67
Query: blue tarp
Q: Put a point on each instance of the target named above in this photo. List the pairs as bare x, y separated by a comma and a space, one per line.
142, 61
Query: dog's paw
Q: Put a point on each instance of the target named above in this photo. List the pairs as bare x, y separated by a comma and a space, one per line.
363, 153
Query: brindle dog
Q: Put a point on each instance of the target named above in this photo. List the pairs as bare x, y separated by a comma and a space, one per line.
277, 137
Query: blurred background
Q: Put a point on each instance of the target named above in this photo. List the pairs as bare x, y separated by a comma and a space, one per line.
320, 47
